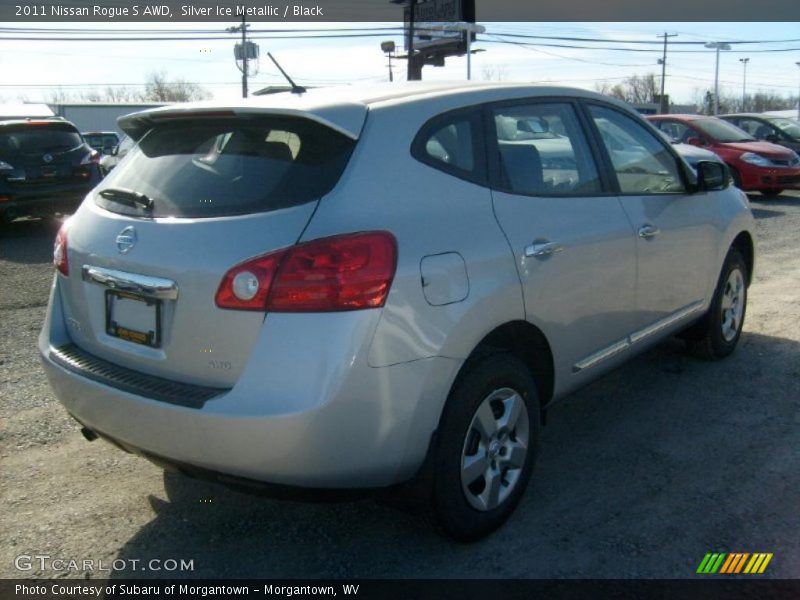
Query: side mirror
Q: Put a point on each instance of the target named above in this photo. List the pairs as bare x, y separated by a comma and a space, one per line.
711, 176
114, 150
695, 141
772, 137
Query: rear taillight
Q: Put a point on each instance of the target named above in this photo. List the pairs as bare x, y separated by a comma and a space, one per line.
60, 259
346, 272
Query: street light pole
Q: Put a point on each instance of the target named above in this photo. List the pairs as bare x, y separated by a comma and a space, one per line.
744, 62
717, 46
388, 48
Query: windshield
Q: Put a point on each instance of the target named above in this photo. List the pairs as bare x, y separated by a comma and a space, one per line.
209, 168
788, 126
37, 139
722, 131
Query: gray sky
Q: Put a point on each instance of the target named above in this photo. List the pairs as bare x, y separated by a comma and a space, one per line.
32, 68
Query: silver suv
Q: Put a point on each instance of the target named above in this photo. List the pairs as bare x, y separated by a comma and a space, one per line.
362, 288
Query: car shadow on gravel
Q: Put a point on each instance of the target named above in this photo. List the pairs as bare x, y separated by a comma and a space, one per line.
762, 213
639, 474
782, 200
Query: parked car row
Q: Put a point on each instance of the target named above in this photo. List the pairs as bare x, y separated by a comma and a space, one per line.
760, 151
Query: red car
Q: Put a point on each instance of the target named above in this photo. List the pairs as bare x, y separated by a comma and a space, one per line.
763, 166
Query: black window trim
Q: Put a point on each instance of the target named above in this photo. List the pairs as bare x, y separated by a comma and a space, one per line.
608, 164
472, 114
496, 180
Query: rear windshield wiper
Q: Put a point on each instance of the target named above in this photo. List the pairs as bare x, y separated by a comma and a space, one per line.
128, 197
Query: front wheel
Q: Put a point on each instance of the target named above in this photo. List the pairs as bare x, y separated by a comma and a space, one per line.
486, 447
717, 334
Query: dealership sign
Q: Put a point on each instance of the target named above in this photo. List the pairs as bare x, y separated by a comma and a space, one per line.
435, 22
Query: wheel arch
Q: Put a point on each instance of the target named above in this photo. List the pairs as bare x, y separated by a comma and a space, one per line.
525, 341
744, 244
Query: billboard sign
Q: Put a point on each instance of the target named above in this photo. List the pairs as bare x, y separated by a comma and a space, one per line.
435, 23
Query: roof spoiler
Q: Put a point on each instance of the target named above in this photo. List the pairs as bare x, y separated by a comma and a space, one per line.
346, 119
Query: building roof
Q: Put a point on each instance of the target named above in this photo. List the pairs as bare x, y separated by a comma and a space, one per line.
20, 110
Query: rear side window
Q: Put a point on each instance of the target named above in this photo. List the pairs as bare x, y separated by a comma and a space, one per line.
542, 151
38, 139
452, 142
210, 168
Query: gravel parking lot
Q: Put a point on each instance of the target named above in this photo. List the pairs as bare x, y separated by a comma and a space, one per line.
640, 474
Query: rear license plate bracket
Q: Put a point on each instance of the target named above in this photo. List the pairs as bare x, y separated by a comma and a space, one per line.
133, 318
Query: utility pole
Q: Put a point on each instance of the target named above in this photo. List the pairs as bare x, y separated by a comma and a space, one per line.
744, 62
664, 109
388, 49
798, 97
244, 55
717, 46
243, 27
414, 72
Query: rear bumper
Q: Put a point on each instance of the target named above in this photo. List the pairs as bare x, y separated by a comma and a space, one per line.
307, 411
45, 200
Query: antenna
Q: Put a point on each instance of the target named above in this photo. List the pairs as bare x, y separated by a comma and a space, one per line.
296, 89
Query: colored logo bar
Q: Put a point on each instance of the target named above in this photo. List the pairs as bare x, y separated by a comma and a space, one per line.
734, 562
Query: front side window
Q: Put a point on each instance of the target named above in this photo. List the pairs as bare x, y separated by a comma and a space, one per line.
542, 151
641, 161
757, 129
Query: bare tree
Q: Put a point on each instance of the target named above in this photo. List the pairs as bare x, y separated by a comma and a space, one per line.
159, 89
494, 73
91, 96
58, 96
637, 89
119, 94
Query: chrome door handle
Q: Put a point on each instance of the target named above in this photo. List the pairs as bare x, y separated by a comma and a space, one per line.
648, 231
542, 249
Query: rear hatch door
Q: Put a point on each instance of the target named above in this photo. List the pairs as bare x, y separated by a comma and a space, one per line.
194, 198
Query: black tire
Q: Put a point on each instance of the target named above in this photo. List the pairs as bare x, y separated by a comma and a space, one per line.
771, 193
709, 338
451, 508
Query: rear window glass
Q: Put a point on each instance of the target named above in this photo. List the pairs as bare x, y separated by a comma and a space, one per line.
101, 142
37, 139
225, 167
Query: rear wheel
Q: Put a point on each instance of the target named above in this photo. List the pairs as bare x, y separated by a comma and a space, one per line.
717, 334
771, 193
486, 448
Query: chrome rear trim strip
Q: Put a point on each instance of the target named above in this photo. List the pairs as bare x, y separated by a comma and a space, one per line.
152, 287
